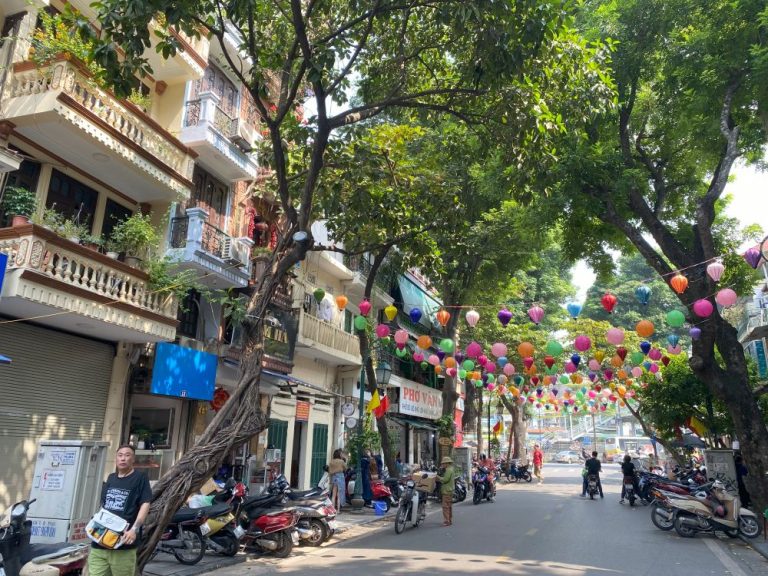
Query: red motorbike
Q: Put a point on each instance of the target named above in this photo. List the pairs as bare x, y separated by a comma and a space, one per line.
268, 529
381, 492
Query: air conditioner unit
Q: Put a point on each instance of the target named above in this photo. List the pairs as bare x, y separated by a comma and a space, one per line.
191, 343
241, 133
235, 252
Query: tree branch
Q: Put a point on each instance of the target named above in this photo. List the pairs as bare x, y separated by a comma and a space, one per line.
361, 43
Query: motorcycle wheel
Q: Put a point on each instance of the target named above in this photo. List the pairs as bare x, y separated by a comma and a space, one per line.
477, 496
632, 500
194, 546
227, 540
421, 513
401, 518
682, 529
659, 520
732, 532
528, 477
284, 546
318, 533
749, 526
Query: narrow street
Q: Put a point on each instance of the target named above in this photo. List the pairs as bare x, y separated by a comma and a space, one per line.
530, 529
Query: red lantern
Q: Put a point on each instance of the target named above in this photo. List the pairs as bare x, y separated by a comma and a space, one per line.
220, 397
609, 302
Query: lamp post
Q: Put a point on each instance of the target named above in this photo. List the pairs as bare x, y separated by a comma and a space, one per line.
383, 372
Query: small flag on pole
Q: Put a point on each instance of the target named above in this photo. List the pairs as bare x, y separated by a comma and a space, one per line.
374, 403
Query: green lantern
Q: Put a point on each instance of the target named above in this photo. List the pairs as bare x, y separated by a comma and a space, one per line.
424, 365
478, 383
319, 294
468, 365
675, 318
564, 379
462, 373
446, 345
636, 358
491, 378
360, 323
401, 352
554, 348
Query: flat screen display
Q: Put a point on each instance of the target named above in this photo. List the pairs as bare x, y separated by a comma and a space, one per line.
183, 372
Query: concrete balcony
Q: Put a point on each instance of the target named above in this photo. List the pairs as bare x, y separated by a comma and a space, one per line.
217, 138
67, 286
190, 60
222, 261
355, 288
755, 327
322, 340
60, 109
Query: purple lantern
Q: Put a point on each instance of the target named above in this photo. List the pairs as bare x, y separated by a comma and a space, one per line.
504, 316
695, 333
441, 355
752, 256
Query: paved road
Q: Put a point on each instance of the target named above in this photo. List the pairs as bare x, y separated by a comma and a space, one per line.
531, 529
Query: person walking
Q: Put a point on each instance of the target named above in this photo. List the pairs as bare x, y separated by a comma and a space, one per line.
741, 471
538, 462
369, 469
336, 468
127, 494
447, 479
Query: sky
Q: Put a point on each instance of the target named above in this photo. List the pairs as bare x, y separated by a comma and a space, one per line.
749, 206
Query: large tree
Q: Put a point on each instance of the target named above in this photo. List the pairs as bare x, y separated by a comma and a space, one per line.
366, 56
648, 176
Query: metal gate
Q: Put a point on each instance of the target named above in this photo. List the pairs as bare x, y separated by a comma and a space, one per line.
319, 452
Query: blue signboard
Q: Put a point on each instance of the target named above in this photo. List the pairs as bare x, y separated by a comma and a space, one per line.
3, 266
762, 365
183, 372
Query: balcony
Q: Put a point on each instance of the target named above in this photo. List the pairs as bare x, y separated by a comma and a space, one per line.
216, 137
321, 340
60, 109
355, 288
755, 327
190, 60
66, 286
222, 261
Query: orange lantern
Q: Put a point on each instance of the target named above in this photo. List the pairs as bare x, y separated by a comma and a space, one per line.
645, 328
525, 349
438, 369
515, 391
621, 374
450, 362
621, 390
616, 361
341, 302
443, 316
679, 283
424, 342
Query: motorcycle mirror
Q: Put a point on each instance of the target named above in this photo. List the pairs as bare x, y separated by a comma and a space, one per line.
231, 483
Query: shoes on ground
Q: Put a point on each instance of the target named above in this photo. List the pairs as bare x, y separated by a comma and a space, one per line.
621, 501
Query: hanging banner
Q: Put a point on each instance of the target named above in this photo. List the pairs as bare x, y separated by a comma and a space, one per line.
422, 401
302, 411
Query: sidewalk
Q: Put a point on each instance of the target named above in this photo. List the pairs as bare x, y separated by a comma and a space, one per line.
760, 544
347, 521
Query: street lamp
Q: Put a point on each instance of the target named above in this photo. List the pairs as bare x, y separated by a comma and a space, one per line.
383, 373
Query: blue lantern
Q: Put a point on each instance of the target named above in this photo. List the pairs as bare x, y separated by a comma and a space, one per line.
643, 294
415, 314
574, 309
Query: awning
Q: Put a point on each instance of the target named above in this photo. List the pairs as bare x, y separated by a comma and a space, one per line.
414, 297
422, 424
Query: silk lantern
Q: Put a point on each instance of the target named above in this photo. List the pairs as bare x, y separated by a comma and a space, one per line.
679, 283
644, 328
609, 302
424, 342
695, 333
703, 308
645, 347
674, 350
364, 307
341, 302
726, 297
382, 330
614, 336
574, 309
434, 359
360, 323
504, 316
418, 357
509, 369
390, 312
525, 349
415, 315
443, 316
752, 256
401, 337
582, 343
715, 270
675, 318
554, 348
673, 339
472, 317
319, 294
446, 345
643, 294
654, 354
499, 349
474, 350
536, 314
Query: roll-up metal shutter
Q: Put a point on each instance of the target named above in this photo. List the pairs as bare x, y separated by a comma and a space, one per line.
55, 388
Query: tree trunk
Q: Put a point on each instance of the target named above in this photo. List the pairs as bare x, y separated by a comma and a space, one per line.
731, 386
450, 394
649, 432
519, 426
479, 423
238, 421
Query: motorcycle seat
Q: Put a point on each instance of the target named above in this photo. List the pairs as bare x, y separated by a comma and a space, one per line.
259, 501
215, 510
302, 494
33, 551
186, 514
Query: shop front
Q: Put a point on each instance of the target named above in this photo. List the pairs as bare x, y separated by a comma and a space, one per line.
417, 409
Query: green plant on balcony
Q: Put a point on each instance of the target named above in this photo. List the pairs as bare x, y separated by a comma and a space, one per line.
135, 236
72, 230
57, 38
18, 202
92, 241
445, 426
49, 218
166, 281
143, 101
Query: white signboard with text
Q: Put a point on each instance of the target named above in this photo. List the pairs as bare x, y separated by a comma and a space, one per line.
422, 401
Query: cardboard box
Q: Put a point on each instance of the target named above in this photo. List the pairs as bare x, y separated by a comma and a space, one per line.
428, 483
209, 487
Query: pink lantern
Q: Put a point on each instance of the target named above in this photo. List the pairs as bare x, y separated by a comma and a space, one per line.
726, 298
451, 372
592, 393
703, 308
382, 330
654, 368
654, 354
715, 270
482, 359
434, 359
674, 350
474, 350
608, 374
637, 371
418, 357
364, 307
582, 343
570, 367
491, 386
508, 369
528, 362
614, 336
594, 365
472, 318
499, 349
490, 367
536, 313
401, 336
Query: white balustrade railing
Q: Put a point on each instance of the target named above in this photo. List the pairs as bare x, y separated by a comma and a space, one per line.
67, 77
328, 335
33, 248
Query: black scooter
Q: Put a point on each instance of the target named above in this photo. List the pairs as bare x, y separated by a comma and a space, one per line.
517, 473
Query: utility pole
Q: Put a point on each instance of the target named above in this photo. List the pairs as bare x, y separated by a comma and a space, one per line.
594, 432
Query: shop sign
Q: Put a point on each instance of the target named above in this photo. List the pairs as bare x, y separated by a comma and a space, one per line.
422, 401
302, 411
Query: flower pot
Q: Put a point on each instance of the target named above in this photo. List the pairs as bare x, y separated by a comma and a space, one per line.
74, 239
91, 246
113, 255
132, 261
19, 220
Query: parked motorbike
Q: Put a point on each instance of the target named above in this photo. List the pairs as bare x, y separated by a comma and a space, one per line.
183, 537
629, 489
722, 512
483, 486
18, 557
412, 506
592, 488
268, 529
317, 522
380, 490
459, 490
221, 532
517, 473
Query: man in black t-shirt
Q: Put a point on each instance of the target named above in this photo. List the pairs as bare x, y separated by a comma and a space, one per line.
593, 466
127, 494
628, 470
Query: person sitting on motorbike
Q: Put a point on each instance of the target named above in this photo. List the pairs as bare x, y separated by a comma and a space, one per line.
490, 466
592, 466
628, 469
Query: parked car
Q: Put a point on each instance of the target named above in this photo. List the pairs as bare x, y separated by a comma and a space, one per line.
568, 456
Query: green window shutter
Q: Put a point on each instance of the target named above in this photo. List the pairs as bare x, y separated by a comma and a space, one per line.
277, 435
319, 452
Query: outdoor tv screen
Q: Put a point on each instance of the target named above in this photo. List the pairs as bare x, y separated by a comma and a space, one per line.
183, 372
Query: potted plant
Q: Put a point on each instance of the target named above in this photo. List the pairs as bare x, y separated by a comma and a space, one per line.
50, 219
135, 237
93, 242
72, 231
112, 249
19, 203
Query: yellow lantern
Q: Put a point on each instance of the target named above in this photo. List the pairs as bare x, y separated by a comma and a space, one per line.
621, 390
599, 355
390, 312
